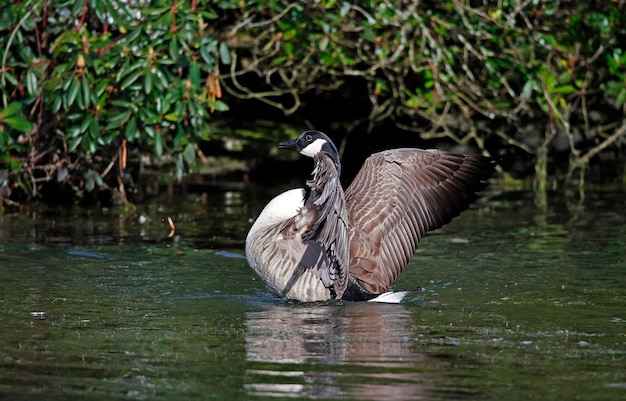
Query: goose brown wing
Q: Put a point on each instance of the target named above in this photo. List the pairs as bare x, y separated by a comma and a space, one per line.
289, 267
396, 198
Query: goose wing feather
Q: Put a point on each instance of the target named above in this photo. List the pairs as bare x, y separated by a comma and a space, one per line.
289, 267
396, 198
330, 229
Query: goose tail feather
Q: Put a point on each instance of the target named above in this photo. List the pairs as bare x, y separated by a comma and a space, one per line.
390, 297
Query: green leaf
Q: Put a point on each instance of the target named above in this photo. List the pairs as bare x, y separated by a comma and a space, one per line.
101, 86
18, 123
206, 56
85, 124
56, 104
564, 89
290, 34
158, 144
219, 105
73, 132
86, 91
79, 98
10, 77
11, 109
190, 154
278, 60
120, 103
134, 34
91, 145
130, 130
171, 117
98, 179
289, 48
32, 83
527, 90
150, 131
224, 54
117, 119
147, 82
72, 91
368, 33
90, 183
75, 142
130, 79
173, 49
94, 129
163, 78
209, 13
194, 73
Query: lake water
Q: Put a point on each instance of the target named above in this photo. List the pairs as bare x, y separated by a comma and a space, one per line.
516, 303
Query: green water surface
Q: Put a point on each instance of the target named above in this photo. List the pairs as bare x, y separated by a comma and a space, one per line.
516, 304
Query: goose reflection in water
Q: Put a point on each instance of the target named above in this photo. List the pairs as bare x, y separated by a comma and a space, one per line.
360, 351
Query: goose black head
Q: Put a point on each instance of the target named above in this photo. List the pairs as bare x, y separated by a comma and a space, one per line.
310, 143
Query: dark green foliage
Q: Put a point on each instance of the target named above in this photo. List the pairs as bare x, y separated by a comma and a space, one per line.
91, 74
83, 78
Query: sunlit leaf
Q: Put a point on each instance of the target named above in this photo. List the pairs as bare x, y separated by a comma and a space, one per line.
32, 83
290, 34
289, 48
218, 105
224, 53
150, 131
278, 60
74, 143
564, 89
527, 90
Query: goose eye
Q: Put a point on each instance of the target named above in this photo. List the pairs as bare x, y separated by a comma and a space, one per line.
309, 138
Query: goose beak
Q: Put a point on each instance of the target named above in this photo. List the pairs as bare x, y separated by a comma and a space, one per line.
291, 145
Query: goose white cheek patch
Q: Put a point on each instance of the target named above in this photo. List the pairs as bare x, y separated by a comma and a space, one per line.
313, 148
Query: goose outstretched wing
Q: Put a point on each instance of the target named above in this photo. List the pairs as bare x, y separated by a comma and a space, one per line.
289, 267
396, 198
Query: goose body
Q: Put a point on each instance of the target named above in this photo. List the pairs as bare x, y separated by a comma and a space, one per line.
318, 242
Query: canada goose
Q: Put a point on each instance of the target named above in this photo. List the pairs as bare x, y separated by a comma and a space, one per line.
317, 243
